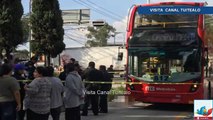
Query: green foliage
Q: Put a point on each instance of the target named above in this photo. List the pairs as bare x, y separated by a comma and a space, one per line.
11, 34
99, 35
112, 94
47, 28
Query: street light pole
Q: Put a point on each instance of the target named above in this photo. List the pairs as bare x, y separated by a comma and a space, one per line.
114, 38
114, 35
30, 30
148, 1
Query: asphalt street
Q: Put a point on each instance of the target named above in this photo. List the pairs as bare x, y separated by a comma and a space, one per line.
141, 111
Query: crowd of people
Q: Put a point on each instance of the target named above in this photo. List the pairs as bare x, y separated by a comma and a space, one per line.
47, 94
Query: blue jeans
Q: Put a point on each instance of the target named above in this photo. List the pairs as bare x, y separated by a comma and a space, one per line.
7, 110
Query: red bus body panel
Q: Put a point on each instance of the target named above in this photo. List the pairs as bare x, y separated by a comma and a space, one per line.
166, 93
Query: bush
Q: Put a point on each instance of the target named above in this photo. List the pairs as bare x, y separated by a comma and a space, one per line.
112, 94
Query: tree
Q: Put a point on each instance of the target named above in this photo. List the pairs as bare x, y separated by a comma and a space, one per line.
47, 28
99, 35
11, 34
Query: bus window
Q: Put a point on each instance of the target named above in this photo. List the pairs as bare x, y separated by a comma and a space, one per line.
164, 65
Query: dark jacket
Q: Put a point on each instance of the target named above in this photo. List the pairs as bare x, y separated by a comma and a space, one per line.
92, 74
106, 78
30, 68
62, 75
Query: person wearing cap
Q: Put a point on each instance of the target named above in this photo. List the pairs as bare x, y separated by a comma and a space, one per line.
19, 71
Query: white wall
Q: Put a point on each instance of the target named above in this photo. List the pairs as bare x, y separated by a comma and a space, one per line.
100, 55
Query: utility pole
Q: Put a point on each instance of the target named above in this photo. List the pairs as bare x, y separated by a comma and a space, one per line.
148, 1
116, 33
30, 30
114, 38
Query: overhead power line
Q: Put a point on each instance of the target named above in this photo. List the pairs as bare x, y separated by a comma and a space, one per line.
74, 40
82, 40
101, 10
74, 31
96, 10
77, 36
105, 9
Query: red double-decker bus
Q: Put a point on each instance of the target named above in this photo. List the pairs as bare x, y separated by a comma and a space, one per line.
167, 56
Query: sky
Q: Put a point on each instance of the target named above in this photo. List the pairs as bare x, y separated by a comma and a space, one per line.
114, 12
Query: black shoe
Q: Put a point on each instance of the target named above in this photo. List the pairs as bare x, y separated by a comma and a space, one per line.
103, 111
83, 114
96, 114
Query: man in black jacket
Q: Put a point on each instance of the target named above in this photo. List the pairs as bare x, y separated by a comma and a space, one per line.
91, 74
105, 88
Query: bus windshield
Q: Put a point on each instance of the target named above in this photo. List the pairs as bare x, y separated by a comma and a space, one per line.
165, 21
165, 64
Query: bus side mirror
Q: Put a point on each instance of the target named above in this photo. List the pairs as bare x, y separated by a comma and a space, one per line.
120, 56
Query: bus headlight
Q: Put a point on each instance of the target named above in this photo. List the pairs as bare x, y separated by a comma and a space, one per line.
193, 88
132, 87
129, 79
